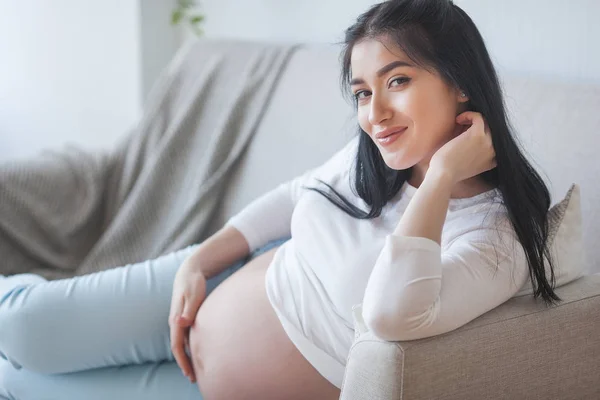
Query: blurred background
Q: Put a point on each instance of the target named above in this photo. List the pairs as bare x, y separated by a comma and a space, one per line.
79, 71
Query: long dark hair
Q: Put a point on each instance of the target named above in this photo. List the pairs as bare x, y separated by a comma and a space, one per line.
438, 34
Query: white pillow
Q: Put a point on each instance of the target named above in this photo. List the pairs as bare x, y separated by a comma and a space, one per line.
565, 241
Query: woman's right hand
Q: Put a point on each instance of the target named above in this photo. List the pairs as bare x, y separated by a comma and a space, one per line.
189, 291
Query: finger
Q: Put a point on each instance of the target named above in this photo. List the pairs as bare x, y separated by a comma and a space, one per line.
190, 309
177, 332
478, 125
479, 122
486, 127
465, 117
176, 309
178, 350
188, 351
184, 322
470, 118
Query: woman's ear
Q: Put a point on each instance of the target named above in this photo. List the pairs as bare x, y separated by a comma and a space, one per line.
462, 100
462, 96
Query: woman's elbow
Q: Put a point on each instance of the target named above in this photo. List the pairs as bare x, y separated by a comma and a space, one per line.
401, 326
388, 328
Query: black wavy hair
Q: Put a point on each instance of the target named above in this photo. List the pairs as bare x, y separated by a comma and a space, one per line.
438, 34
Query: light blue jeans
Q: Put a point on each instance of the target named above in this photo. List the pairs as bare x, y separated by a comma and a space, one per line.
103, 336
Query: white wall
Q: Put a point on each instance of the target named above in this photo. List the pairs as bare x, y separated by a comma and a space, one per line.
75, 71
159, 40
555, 38
279, 20
550, 38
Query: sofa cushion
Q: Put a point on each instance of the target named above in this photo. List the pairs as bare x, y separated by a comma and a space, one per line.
565, 241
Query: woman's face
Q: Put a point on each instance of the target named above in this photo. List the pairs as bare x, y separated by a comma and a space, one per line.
393, 92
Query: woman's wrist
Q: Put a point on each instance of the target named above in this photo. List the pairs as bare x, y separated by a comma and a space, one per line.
439, 178
219, 251
426, 212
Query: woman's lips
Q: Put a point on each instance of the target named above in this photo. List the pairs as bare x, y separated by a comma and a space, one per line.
386, 141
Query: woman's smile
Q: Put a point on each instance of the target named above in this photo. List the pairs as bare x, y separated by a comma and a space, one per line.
388, 140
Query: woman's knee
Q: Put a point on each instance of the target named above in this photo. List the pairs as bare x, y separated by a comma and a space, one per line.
21, 336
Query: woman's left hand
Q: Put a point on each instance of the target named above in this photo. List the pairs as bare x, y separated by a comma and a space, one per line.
468, 154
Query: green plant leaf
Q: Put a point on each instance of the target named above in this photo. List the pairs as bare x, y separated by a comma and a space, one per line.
196, 19
176, 16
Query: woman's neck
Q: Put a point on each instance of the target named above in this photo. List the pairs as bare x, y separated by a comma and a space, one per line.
463, 189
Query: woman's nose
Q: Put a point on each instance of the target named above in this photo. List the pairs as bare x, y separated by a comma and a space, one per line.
379, 111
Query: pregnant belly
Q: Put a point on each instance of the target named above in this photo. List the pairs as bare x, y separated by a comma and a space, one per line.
240, 349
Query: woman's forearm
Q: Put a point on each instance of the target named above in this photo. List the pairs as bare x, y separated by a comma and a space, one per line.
426, 212
406, 280
220, 251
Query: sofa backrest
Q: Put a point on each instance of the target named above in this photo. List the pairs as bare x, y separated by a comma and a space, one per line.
307, 120
558, 124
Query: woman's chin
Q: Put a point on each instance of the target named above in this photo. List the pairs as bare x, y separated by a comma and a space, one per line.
397, 161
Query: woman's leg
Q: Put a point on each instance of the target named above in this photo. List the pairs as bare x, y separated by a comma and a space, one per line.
130, 382
114, 317
156, 381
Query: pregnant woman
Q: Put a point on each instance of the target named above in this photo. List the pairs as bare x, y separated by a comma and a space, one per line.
428, 218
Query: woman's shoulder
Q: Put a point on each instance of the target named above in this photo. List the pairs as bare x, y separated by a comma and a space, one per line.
485, 222
489, 235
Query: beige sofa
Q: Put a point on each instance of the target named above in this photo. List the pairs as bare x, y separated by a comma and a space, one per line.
520, 350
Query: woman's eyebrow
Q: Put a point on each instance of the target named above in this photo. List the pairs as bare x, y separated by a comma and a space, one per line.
383, 71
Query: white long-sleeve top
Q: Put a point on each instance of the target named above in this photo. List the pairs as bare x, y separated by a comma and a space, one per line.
409, 287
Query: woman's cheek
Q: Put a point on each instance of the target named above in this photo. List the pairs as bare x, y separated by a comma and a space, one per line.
363, 122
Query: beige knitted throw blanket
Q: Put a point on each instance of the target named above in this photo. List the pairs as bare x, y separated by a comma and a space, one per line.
71, 212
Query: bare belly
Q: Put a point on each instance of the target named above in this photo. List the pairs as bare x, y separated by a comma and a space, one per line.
240, 349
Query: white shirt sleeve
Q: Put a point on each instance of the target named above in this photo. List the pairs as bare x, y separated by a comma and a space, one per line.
268, 217
415, 290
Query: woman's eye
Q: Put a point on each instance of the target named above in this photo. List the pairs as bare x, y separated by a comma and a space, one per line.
362, 94
358, 94
400, 81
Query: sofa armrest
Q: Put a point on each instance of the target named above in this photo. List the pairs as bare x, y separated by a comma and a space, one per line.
521, 349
